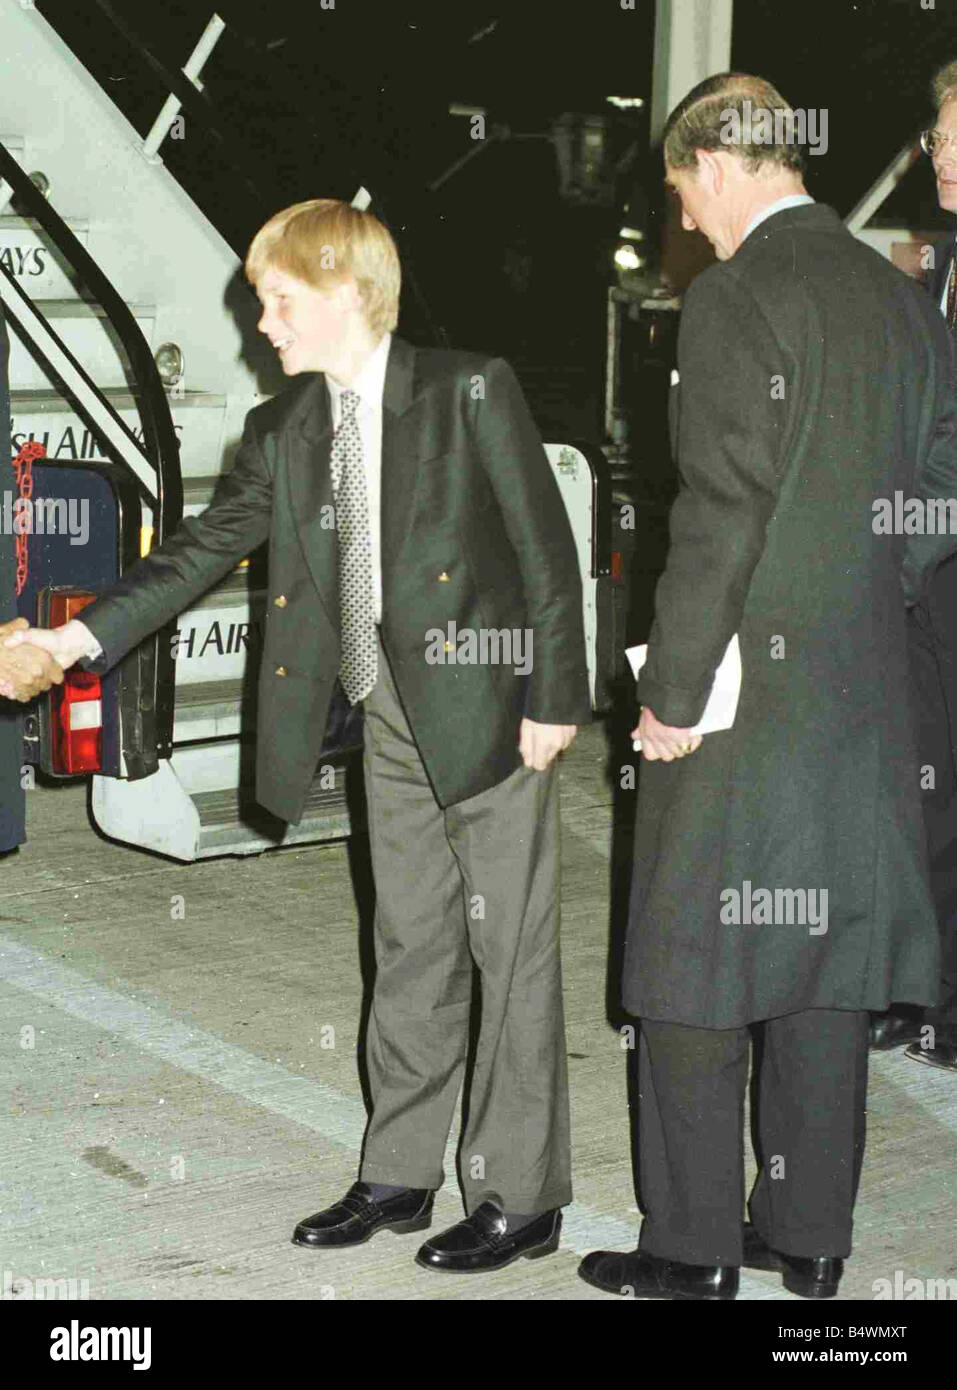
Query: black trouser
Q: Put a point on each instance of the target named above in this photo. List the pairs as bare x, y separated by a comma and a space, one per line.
932, 640
812, 1089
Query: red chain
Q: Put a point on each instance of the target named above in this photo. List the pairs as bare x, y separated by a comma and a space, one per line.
23, 468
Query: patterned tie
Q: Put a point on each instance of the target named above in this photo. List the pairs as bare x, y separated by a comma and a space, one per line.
952, 296
358, 666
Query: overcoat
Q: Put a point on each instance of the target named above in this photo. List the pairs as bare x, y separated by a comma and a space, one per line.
814, 379
474, 538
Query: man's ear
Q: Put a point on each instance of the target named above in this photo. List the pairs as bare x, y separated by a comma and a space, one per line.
348, 296
711, 170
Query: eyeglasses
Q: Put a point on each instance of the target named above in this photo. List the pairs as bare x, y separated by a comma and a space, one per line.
934, 142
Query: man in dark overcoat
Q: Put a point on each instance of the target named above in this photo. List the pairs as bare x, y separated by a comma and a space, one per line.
418, 547
780, 867
932, 1034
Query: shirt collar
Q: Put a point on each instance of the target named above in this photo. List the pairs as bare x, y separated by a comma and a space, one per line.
370, 383
791, 200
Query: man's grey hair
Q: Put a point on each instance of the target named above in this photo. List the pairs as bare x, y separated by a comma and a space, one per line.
944, 85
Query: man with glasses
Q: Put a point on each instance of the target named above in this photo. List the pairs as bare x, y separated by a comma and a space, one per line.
932, 1036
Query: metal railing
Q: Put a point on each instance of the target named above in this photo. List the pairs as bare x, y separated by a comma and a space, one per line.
155, 464
256, 176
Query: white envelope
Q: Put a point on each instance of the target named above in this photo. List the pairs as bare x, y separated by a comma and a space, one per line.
722, 703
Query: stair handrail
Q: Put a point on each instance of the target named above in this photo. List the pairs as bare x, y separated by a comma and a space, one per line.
160, 444
263, 186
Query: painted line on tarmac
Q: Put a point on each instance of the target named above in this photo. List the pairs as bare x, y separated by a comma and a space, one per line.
306, 1102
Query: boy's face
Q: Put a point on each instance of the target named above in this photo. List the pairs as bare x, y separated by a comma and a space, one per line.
306, 326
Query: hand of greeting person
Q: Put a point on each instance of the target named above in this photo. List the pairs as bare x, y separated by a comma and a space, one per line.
540, 743
663, 740
27, 671
67, 643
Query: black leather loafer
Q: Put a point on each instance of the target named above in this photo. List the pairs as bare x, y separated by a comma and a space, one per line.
943, 1055
634, 1274
814, 1277
481, 1242
890, 1030
357, 1217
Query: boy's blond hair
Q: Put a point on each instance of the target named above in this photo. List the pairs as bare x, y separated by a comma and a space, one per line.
325, 241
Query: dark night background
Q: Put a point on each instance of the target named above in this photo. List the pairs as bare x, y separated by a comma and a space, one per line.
497, 257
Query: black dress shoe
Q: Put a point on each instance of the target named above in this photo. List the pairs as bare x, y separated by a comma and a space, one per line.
635, 1274
943, 1055
357, 1217
812, 1277
482, 1242
890, 1030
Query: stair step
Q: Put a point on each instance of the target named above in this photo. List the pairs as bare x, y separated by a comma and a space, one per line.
225, 807
198, 417
197, 491
159, 813
210, 709
62, 307
88, 333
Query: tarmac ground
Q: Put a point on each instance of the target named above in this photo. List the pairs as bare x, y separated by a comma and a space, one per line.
181, 1084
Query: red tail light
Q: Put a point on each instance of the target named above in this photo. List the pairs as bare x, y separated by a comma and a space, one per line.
76, 706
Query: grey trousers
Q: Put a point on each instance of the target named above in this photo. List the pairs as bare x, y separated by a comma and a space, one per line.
812, 1089
478, 881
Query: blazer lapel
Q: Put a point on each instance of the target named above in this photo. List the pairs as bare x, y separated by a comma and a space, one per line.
310, 482
401, 449
310, 492
944, 254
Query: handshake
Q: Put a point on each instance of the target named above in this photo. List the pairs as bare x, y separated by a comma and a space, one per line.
34, 658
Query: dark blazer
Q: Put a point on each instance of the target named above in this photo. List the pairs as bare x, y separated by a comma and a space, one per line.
930, 562
943, 255
813, 378
474, 532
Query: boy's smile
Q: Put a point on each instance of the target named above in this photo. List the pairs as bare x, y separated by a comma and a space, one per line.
306, 326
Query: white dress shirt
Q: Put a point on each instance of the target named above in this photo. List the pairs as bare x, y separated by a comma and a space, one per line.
369, 386
790, 200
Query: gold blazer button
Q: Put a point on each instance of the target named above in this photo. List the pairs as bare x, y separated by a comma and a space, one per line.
280, 600
443, 578
281, 671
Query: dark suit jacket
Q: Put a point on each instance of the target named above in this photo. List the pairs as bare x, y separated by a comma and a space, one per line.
814, 379
474, 532
930, 563
943, 255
